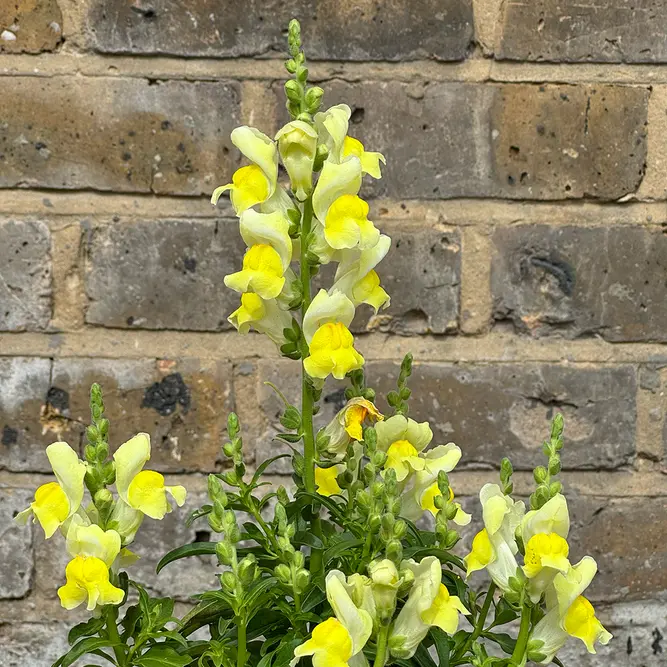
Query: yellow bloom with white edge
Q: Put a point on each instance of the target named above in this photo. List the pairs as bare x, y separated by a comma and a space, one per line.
326, 482
92, 541
544, 532
268, 229
255, 183
347, 425
262, 273
370, 162
429, 604
427, 503
495, 547
88, 580
332, 127
403, 439
297, 143
569, 613
332, 353
338, 641
331, 345
356, 276
264, 316
143, 490
56, 502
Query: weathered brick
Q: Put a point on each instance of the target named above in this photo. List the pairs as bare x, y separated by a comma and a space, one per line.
25, 275
499, 410
422, 274
165, 274
572, 31
16, 558
259, 408
513, 141
331, 29
607, 281
30, 26
627, 538
24, 385
34, 644
182, 404
129, 135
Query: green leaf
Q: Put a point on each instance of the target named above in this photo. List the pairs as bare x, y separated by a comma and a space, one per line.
263, 466
338, 549
307, 539
443, 556
505, 641
442, 646
556, 661
187, 550
162, 656
423, 658
89, 645
198, 514
90, 627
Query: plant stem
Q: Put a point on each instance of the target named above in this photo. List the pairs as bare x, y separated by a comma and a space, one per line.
381, 650
241, 652
306, 394
522, 639
111, 613
481, 620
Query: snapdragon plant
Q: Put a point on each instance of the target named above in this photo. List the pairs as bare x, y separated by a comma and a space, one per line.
342, 568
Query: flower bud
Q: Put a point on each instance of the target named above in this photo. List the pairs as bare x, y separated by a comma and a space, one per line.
283, 574
301, 580
215, 522
540, 474
248, 570
395, 551
400, 529
451, 538
283, 497
298, 559
554, 465
374, 523
293, 91
225, 552
229, 581
385, 582
388, 521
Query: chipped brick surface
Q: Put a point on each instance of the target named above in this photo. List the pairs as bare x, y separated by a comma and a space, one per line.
333, 29
126, 135
30, 26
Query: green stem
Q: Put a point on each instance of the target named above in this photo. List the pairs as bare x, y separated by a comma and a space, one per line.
479, 625
381, 650
111, 613
522, 639
241, 651
306, 394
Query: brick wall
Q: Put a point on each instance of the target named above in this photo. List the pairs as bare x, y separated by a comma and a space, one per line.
526, 146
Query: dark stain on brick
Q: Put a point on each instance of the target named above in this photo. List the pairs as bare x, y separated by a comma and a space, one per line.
202, 536
628, 646
9, 436
562, 271
190, 264
58, 399
166, 395
657, 638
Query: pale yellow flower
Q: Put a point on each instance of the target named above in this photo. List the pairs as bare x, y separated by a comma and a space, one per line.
263, 315
370, 162
297, 142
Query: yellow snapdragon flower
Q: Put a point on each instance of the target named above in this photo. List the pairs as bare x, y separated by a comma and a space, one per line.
297, 143
403, 439
337, 641
56, 502
256, 182
370, 161
143, 490
544, 534
429, 604
332, 126
347, 425
356, 276
569, 613
263, 315
330, 343
494, 548
94, 550
339, 209
427, 504
262, 273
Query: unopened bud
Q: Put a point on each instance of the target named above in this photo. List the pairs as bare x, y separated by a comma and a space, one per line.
301, 580
103, 499
229, 581
225, 552
395, 551
283, 574
282, 496
540, 474
400, 529
248, 570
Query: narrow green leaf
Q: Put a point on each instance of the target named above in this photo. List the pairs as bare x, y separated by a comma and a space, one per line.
263, 466
89, 645
187, 550
442, 646
162, 656
307, 539
90, 627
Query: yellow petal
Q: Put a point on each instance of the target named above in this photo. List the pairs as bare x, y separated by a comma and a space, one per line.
249, 187
297, 142
69, 471
325, 481
346, 224
92, 541
368, 290
428, 499
481, 555
370, 161
582, 623
262, 273
330, 645
251, 310
147, 494
129, 459
327, 308
88, 578
268, 229
444, 612
51, 507
401, 457
332, 127
543, 551
332, 352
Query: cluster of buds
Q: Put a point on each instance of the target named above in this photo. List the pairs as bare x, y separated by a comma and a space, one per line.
291, 572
